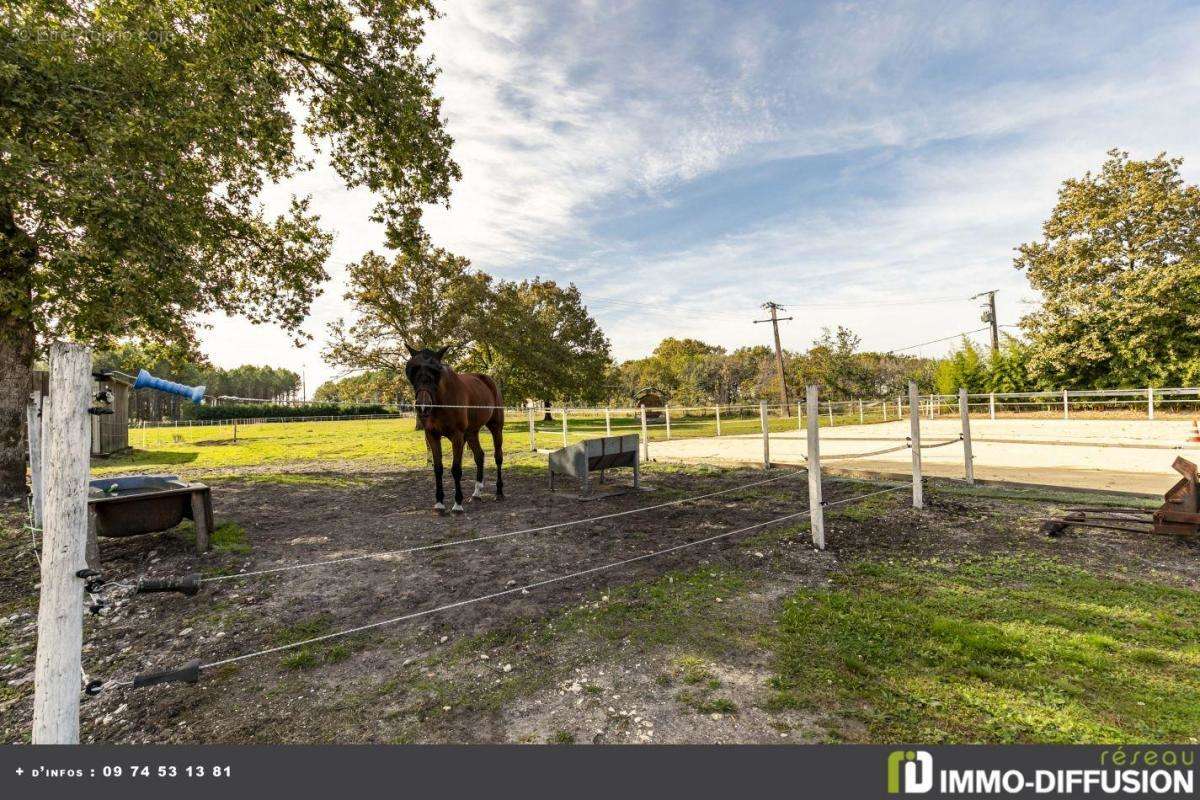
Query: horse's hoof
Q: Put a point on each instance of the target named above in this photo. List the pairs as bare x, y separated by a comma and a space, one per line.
478, 493
439, 507
458, 509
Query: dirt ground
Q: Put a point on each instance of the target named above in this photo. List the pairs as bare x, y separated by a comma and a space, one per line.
1105, 454
497, 671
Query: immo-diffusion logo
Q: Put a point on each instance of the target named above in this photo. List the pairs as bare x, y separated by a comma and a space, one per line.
909, 771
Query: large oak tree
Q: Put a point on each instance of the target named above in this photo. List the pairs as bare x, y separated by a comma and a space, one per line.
1118, 268
136, 138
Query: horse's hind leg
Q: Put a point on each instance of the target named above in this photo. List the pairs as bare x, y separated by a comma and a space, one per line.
496, 428
477, 451
456, 440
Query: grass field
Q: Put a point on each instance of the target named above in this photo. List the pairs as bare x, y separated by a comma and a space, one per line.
955, 624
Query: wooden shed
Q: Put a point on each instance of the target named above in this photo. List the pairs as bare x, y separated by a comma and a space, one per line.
651, 399
110, 432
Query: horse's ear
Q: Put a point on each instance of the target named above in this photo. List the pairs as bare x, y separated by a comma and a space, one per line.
412, 351
441, 354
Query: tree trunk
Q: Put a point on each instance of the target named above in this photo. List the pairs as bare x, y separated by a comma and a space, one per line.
16, 351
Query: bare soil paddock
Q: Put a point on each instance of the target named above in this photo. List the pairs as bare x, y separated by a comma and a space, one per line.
689, 647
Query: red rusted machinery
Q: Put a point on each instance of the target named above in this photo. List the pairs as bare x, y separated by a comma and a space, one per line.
1179, 515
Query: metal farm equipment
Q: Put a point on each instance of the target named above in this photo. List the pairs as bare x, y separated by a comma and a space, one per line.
1179, 515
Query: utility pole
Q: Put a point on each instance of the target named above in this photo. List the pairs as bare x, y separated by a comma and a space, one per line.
989, 316
774, 308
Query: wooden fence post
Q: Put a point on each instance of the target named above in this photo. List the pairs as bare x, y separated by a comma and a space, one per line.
607, 421
884, 404
532, 432
816, 506
645, 438
899, 408
33, 420
667, 417
861, 419
564, 416
964, 413
58, 666
1066, 411
829, 408
914, 433
1150, 402
718, 419
762, 418
992, 405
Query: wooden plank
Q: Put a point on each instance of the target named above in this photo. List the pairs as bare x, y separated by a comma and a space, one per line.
914, 427
58, 663
816, 509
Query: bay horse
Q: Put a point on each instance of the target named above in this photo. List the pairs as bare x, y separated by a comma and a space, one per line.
455, 406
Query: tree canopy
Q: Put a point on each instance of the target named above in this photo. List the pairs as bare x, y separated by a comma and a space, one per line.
137, 138
1118, 268
534, 338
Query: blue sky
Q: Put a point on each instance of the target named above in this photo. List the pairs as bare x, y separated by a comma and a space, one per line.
869, 165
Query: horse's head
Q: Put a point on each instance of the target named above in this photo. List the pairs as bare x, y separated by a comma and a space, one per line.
425, 369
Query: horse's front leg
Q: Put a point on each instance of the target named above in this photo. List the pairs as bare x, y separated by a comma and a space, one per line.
434, 442
456, 471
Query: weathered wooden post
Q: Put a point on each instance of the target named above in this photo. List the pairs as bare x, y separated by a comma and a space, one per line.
884, 404
861, 419
914, 439
564, 417
532, 432
1066, 411
762, 418
964, 413
992, 405
1150, 402
33, 420
58, 666
718, 419
645, 438
607, 421
816, 506
667, 417
829, 408
899, 408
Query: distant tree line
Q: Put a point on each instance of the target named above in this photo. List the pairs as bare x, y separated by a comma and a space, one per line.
247, 381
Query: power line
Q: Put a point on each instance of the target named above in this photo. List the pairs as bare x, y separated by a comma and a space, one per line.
945, 338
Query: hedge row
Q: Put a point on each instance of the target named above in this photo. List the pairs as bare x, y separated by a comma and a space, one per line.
260, 410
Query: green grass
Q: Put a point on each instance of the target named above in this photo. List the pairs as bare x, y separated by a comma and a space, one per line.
1000, 650
388, 442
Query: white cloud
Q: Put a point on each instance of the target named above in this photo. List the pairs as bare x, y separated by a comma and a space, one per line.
570, 117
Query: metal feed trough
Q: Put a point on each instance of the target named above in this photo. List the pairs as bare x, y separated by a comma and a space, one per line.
581, 459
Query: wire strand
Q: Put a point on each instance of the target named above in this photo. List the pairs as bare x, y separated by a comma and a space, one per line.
490, 537
530, 586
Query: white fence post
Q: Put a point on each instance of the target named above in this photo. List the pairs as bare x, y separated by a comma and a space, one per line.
816, 505
1150, 402
899, 408
64, 538
992, 405
607, 421
1066, 411
829, 408
884, 404
762, 418
964, 413
667, 417
861, 419
532, 432
564, 416
914, 433
718, 419
33, 420
645, 438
